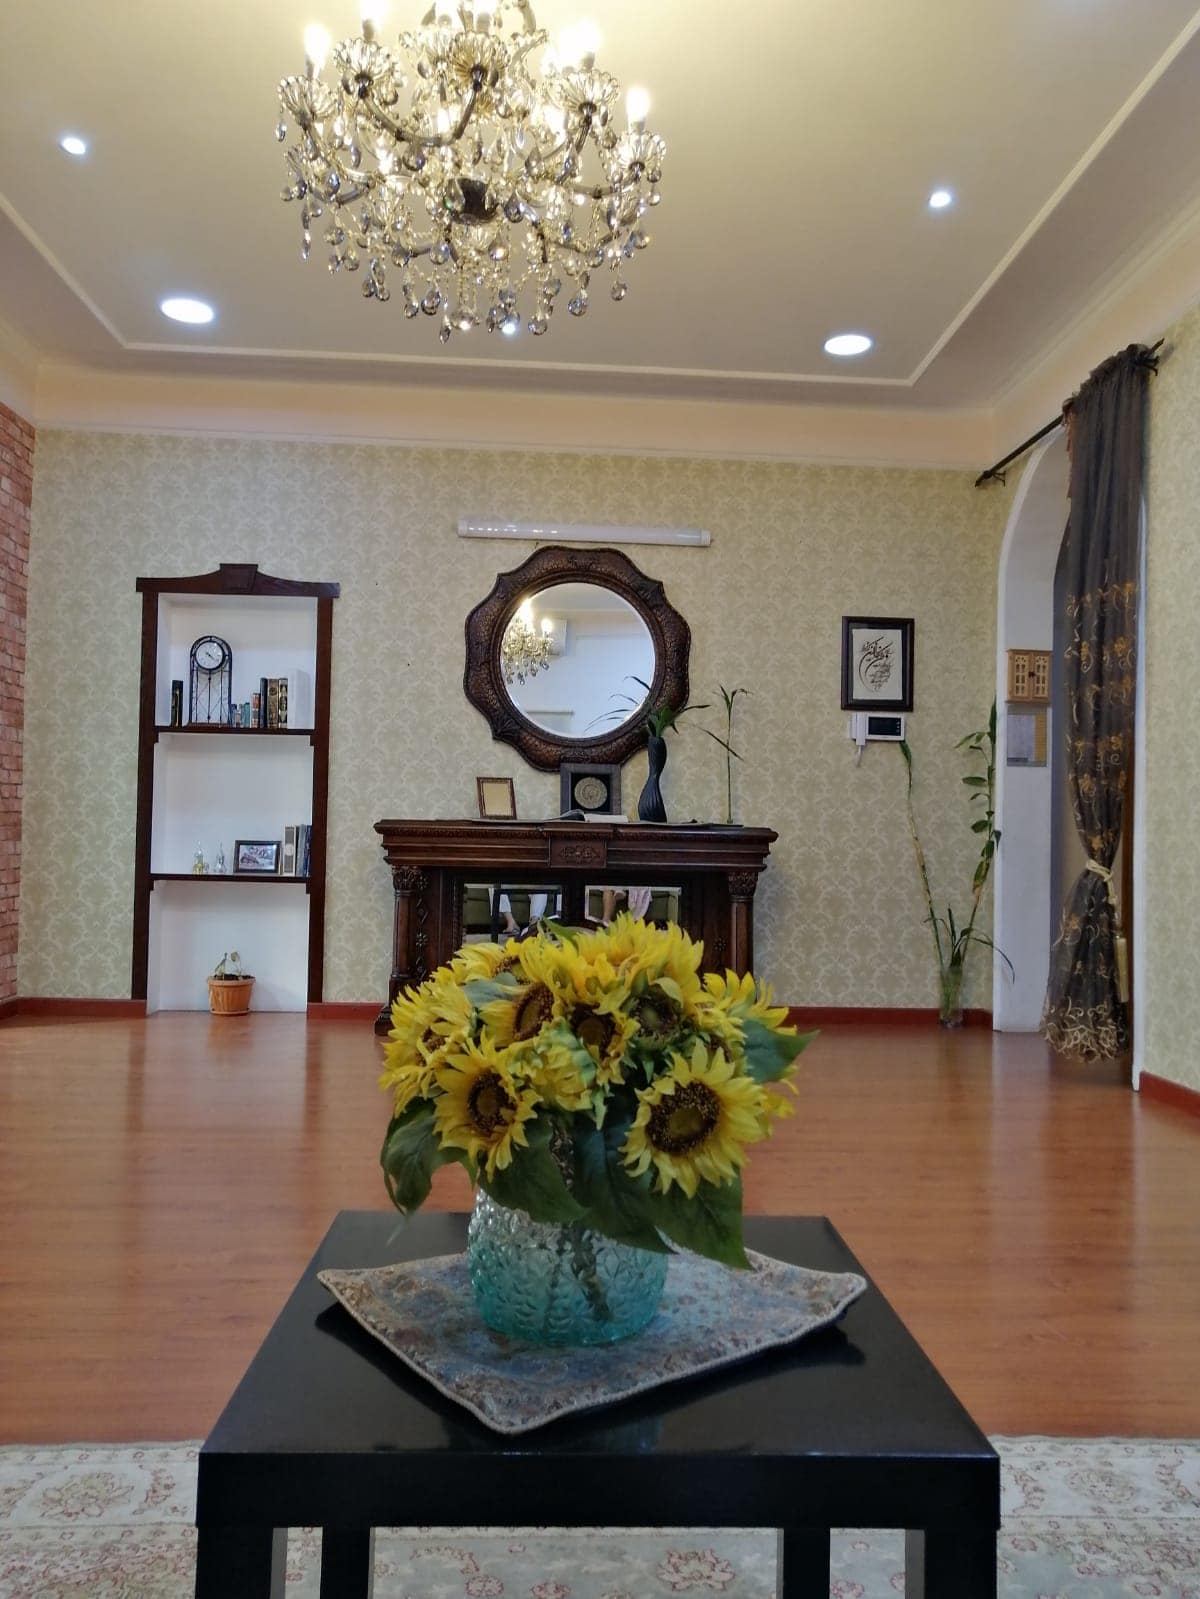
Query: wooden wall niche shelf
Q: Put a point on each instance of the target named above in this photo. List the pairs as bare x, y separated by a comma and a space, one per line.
212, 784
717, 868
546, 569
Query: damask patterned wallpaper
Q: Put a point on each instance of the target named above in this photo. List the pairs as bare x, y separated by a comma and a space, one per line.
1172, 865
840, 914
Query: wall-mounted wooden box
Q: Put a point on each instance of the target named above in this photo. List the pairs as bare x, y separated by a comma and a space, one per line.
1029, 677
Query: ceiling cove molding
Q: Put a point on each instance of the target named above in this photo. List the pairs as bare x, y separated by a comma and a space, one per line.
1148, 296
51, 260
18, 372
82, 399
1101, 141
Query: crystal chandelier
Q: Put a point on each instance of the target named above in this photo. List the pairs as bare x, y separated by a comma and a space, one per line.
507, 176
524, 651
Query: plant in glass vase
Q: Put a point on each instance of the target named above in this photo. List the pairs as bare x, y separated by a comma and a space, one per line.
952, 939
602, 1095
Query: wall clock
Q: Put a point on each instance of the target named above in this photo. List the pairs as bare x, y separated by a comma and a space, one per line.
210, 693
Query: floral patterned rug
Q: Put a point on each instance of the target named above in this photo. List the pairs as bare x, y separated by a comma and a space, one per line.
1083, 1519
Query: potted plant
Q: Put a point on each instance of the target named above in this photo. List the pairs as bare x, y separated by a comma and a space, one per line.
601, 1093
952, 939
229, 987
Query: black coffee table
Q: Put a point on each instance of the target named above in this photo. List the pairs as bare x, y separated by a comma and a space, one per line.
851, 1427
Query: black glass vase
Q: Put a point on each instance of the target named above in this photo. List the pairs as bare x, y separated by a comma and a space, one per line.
650, 801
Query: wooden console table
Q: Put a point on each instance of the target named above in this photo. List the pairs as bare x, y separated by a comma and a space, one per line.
716, 870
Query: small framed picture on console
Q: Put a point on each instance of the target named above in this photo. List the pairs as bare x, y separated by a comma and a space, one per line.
595, 790
497, 799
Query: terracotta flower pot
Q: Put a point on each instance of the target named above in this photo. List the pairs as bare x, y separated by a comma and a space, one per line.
229, 996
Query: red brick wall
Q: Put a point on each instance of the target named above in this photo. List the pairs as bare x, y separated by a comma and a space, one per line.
16, 490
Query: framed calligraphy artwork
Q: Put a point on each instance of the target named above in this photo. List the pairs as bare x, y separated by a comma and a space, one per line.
877, 663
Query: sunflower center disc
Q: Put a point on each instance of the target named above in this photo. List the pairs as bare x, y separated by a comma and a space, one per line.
684, 1120
533, 1011
593, 1031
489, 1102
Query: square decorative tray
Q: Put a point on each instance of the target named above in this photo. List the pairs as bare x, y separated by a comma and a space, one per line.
424, 1312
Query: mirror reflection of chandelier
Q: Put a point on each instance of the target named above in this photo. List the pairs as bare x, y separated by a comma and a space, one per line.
525, 650
506, 176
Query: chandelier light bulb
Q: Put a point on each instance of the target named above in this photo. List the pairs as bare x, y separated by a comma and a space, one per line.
637, 105
578, 44
316, 47
470, 172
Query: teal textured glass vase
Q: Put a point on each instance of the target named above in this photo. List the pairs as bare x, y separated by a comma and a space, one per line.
546, 1283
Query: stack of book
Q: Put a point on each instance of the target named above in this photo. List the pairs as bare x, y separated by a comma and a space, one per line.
272, 702
297, 851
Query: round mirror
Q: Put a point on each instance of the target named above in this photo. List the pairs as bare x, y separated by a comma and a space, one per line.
555, 652
577, 660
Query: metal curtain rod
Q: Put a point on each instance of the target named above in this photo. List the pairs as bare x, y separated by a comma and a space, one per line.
997, 472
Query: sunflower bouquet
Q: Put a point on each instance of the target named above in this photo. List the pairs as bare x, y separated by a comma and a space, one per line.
590, 1078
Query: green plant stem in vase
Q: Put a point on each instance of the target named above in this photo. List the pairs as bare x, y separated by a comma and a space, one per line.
728, 695
952, 939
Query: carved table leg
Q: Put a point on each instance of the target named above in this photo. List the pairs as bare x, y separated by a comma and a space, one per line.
741, 921
409, 884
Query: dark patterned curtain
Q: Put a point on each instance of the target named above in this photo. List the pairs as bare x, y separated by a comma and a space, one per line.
1087, 999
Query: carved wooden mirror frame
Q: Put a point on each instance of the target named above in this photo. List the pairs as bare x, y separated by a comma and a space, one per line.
483, 680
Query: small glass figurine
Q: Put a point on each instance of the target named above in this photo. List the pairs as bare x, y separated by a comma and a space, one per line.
199, 864
220, 864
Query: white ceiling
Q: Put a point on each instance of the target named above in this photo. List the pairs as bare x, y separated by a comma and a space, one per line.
804, 137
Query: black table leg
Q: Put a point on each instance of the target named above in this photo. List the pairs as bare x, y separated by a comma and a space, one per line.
248, 1561
347, 1562
948, 1565
804, 1563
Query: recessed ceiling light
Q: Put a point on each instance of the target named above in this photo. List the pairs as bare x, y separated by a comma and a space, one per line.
940, 199
73, 144
848, 344
180, 309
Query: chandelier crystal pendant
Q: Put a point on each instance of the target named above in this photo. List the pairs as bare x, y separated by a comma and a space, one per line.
505, 181
524, 651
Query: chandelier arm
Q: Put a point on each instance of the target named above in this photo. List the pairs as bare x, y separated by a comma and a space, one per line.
403, 135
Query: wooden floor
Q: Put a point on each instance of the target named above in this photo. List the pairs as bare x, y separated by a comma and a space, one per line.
163, 1183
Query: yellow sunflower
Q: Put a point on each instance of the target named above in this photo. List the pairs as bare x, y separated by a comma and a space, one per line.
605, 1031
481, 1107
693, 1122
532, 1005
475, 961
427, 1023
742, 997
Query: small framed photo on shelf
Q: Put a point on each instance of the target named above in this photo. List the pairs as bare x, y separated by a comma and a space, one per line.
497, 799
587, 787
256, 857
877, 663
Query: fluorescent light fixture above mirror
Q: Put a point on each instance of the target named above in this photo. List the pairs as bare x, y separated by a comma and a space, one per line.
470, 527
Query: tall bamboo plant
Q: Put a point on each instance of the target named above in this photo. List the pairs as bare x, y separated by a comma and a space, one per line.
952, 939
728, 695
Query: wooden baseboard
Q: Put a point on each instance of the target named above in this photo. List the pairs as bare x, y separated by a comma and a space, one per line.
877, 1016
97, 1009
333, 1010
1165, 1092
8, 1007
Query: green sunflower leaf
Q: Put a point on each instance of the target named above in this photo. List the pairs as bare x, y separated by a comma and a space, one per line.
411, 1154
616, 1204
711, 1223
482, 991
532, 1181
770, 1053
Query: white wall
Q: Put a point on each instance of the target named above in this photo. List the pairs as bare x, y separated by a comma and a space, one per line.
1022, 885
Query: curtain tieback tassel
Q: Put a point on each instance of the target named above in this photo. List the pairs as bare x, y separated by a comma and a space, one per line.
1121, 942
